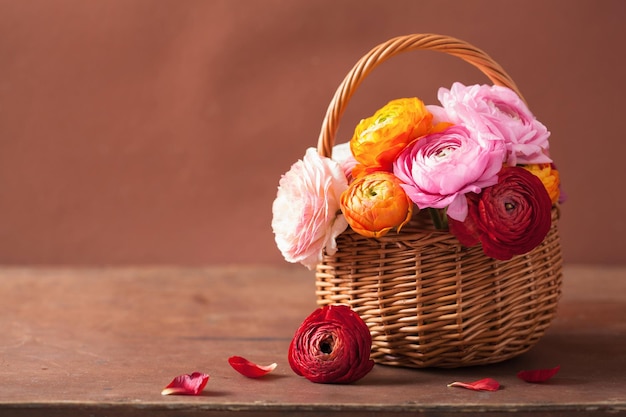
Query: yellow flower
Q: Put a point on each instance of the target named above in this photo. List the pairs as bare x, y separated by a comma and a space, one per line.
378, 139
549, 177
376, 203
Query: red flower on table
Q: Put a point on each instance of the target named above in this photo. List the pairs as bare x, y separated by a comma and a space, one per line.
332, 345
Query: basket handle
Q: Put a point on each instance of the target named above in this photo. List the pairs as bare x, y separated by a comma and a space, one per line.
390, 48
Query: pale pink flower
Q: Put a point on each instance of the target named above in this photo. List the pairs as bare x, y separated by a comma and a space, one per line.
306, 214
440, 168
343, 155
498, 112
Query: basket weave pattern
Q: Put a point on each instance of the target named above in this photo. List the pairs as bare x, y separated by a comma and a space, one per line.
429, 301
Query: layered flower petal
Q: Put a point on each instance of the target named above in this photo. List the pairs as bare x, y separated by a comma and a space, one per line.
250, 369
440, 168
499, 113
306, 214
374, 204
188, 384
378, 139
332, 345
538, 375
486, 384
510, 218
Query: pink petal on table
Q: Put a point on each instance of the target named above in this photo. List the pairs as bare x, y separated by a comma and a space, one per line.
487, 384
192, 384
538, 375
250, 369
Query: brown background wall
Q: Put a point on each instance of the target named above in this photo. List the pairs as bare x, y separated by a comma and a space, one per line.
135, 131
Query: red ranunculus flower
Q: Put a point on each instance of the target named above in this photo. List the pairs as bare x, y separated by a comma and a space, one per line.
509, 218
332, 345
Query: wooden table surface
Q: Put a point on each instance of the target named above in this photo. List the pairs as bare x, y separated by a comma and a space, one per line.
105, 341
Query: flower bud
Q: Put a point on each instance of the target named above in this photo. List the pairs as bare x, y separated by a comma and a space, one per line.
375, 203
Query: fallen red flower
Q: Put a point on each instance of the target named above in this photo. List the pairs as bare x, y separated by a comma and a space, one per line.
538, 375
487, 384
332, 345
250, 369
192, 384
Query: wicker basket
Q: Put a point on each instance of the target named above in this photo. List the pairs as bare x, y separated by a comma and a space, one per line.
429, 301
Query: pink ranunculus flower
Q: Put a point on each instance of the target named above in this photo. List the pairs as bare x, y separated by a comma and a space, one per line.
439, 114
498, 112
306, 214
440, 168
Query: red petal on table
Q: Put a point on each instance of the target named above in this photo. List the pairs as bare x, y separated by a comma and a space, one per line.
250, 369
487, 384
186, 384
538, 375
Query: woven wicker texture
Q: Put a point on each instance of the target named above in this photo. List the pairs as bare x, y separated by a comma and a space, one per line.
429, 301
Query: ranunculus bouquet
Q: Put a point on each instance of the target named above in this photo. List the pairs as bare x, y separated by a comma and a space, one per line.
478, 163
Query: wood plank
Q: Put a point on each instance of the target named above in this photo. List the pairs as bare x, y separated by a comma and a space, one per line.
106, 341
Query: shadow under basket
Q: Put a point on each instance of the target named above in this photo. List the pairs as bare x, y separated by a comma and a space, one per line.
431, 302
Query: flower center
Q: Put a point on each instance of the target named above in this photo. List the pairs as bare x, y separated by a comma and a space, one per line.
509, 110
326, 346
508, 206
444, 151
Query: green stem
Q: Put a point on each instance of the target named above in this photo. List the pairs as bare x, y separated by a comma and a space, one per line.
439, 217
435, 215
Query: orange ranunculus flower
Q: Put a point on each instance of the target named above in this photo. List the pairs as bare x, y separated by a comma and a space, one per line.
360, 170
549, 176
376, 203
378, 139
